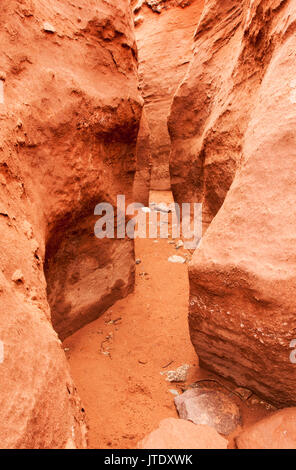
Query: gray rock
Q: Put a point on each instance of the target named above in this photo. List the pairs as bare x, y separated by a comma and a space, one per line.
211, 407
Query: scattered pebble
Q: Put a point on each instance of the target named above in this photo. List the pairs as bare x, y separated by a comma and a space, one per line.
174, 392
138, 261
48, 28
179, 244
176, 259
17, 276
161, 207
178, 375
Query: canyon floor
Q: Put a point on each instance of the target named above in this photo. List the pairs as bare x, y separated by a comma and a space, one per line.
117, 360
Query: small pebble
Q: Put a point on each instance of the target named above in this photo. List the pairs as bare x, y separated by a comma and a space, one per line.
48, 28
176, 259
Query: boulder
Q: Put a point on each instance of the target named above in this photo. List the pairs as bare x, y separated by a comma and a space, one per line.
210, 407
175, 433
277, 431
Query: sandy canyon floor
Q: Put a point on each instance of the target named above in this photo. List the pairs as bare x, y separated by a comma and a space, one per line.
117, 360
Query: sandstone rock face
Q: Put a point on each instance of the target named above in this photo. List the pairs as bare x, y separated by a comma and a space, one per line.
69, 123
164, 32
237, 139
143, 166
212, 106
277, 431
180, 434
210, 407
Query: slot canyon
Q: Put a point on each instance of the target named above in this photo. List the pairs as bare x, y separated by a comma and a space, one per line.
112, 341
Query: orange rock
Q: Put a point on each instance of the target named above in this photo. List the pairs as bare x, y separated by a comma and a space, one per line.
277, 431
143, 173
233, 143
164, 37
181, 434
75, 94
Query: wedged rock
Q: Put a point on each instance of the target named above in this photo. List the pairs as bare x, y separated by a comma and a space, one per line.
210, 407
175, 433
232, 126
277, 431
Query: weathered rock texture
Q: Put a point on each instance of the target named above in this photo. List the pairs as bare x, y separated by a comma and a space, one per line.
143, 167
164, 32
233, 134
210, 407
277, 431
181, 434
68, 141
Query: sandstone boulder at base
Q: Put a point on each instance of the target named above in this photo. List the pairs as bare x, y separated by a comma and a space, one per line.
175, 433
210, 407
277, 431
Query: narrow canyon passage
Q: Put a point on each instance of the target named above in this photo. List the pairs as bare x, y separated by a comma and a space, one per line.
116, 361
105, 103
124, 394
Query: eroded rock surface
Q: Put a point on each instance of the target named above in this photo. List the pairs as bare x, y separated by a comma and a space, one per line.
210, 407
277, 431
69, 124
233, 143
164, 32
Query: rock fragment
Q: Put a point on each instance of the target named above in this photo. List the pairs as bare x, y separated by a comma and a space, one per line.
210, 407
176, 259
178, 375
277, 431
18, 277
48, 28
175, 433
179, 244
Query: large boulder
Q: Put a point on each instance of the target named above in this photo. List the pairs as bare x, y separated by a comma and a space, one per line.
242, 276
175, 433
277, 431
210, 407
69, 123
